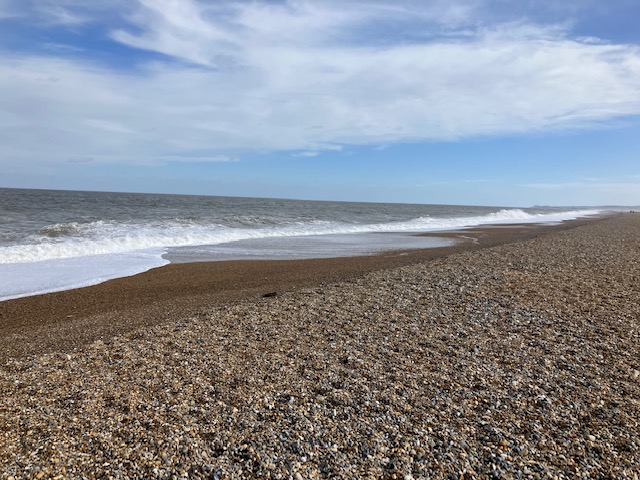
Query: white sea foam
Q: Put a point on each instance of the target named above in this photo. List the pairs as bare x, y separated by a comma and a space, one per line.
100, 238
25, 279
73, 255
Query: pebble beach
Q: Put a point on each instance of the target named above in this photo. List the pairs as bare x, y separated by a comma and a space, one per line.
519, 360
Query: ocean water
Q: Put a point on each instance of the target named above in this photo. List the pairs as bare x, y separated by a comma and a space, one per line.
58, 240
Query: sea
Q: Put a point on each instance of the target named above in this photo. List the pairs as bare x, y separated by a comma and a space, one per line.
59, 240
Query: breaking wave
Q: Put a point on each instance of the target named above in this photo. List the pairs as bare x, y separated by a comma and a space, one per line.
74, 239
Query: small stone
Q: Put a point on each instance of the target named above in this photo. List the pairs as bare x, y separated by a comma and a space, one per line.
372, 378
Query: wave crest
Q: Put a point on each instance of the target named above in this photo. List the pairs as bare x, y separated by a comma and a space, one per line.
70, 240
60, 229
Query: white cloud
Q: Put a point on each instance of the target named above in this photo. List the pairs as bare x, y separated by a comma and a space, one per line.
179, 29
59, 15
62, 13
308, 76
307, 153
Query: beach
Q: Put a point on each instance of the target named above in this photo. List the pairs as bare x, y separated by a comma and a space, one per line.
513, 354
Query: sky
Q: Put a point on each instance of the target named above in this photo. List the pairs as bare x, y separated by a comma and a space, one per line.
508, 103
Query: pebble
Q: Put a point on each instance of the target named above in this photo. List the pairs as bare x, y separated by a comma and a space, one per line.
449, 364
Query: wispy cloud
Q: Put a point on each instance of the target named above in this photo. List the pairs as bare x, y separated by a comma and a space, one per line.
69, 14
59, 15
308, 154
305, 76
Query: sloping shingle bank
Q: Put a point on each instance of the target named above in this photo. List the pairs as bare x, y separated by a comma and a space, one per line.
518, 361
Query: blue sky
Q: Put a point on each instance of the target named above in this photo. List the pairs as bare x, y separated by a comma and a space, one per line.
465, 102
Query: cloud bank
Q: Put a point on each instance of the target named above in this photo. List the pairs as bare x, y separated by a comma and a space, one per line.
206, 81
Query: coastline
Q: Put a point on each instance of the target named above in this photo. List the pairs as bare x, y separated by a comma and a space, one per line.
519, 360
69, 319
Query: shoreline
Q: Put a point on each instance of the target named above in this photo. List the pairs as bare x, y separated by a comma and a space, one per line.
69, 319
57, 274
